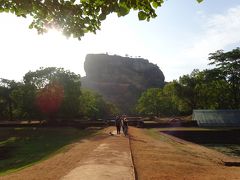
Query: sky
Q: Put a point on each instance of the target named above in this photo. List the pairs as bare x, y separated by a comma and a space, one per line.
178, 40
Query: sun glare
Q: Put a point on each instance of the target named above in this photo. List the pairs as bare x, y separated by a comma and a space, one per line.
54, 36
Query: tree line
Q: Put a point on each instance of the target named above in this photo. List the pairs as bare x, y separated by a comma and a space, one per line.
51, 93
217, 88
54, 93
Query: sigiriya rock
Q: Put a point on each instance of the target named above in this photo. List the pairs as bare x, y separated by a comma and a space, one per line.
120, 80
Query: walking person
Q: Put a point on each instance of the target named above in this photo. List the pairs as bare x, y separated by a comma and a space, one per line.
125, 126
118, 124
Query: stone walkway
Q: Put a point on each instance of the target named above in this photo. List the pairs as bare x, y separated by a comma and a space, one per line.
111, 160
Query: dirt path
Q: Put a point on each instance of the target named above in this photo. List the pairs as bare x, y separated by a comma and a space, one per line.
110, 160
102, 157
170, 158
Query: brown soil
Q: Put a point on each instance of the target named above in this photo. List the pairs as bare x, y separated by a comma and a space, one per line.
92, 158
60, 164
163, 158
110, 160
171, 158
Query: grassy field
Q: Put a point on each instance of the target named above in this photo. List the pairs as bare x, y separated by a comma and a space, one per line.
160, 156
21, 147
225, 140
229, 149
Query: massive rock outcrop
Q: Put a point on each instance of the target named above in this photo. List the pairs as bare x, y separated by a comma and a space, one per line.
120, 80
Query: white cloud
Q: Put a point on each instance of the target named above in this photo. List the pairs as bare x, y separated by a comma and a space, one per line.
219, 32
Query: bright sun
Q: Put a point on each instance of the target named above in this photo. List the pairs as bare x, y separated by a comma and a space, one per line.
54, 36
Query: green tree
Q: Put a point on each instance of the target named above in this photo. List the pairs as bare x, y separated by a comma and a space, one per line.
148, 103
24, 97
77, 17
210, 88
6, 88
228, 64
201, 90
111, 109
187, 91
54, 86
171, 90
207, 89
156, 102
93, 106
217, 88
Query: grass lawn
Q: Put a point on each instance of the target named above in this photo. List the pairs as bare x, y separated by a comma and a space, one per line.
21, 147
229, 149
225, 140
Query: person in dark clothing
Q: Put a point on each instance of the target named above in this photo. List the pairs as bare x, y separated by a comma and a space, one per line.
125, 126
118, 124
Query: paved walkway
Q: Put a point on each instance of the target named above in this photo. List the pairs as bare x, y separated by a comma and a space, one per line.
111, 160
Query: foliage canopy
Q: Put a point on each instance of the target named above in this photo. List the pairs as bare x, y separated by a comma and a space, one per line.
50, 93
77, 17
228, 64
217, 88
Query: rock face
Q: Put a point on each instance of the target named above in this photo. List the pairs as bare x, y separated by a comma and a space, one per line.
120, 80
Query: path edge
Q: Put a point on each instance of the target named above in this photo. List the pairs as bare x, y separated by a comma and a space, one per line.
132, 160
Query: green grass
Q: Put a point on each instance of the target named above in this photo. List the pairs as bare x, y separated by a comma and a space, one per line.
188, 129
154, 133
229, 149
22, 147
226, 148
